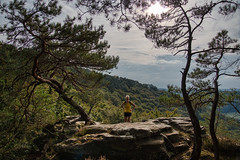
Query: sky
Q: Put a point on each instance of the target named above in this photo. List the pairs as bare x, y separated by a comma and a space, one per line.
140, 61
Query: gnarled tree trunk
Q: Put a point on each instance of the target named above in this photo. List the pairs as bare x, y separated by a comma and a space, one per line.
196, 153
58, 88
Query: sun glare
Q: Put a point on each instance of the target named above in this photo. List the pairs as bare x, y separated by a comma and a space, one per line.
157, 9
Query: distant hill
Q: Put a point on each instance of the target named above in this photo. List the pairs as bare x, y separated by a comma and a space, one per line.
144, 95
228, 109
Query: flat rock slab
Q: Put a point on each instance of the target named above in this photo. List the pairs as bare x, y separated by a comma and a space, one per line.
153, 139
137, 129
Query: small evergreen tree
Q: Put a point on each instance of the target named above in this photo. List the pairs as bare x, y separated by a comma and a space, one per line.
214, 63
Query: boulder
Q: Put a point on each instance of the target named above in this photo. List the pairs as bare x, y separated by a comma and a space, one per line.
159, 138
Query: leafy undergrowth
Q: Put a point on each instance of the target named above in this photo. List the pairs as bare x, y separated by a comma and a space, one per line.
229, 150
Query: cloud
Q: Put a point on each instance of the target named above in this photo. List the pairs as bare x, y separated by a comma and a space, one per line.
159, 74
170, 59
211, 26
132, 46
147, 64
68, 8
229, 82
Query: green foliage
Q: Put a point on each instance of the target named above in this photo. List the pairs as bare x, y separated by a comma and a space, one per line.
225, 126
229, 149
107, 113
44, 49
17, 132
172, 98
143, 96
232, 99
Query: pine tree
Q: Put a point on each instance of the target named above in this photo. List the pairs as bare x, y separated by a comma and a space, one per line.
213, 63
62, 54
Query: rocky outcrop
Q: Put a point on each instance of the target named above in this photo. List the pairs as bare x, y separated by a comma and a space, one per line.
161, 138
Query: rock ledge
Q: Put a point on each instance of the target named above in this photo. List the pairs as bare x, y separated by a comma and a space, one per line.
161, 138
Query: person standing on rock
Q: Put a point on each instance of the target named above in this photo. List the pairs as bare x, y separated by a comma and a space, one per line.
127, 109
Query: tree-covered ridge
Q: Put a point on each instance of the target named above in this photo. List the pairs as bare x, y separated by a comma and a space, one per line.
145, 95
104, 102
